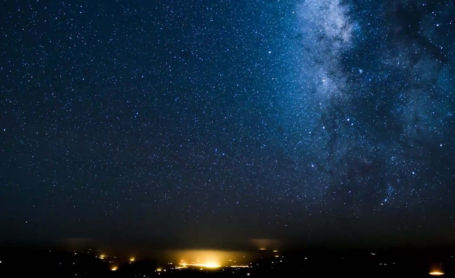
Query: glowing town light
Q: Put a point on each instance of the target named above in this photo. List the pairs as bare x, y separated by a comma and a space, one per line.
132, 259
159, 269
102, 256
436, 273
206, 265
114, 268
206, 259
210, 265
436, 270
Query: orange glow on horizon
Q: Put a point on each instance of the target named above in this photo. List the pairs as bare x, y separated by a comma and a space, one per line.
206, 258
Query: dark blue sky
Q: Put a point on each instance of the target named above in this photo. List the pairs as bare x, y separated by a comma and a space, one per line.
309, 119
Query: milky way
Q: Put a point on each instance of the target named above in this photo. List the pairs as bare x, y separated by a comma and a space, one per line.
225, 119
376, 80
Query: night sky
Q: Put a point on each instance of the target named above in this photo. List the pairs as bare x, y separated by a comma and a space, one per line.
214, 121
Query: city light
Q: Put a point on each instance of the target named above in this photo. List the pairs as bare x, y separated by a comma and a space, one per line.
207, 259
436, 273
206, 265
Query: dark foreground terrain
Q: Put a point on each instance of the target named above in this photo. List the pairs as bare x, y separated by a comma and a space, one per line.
26, 262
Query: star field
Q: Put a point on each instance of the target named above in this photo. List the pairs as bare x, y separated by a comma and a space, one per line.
227, 119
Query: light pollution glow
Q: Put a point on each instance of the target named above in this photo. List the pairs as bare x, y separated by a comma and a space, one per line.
208, 258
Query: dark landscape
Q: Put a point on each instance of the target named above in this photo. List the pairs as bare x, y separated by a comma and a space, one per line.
329, 262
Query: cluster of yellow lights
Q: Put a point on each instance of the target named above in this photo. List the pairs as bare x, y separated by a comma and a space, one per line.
198, 259
103, 256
